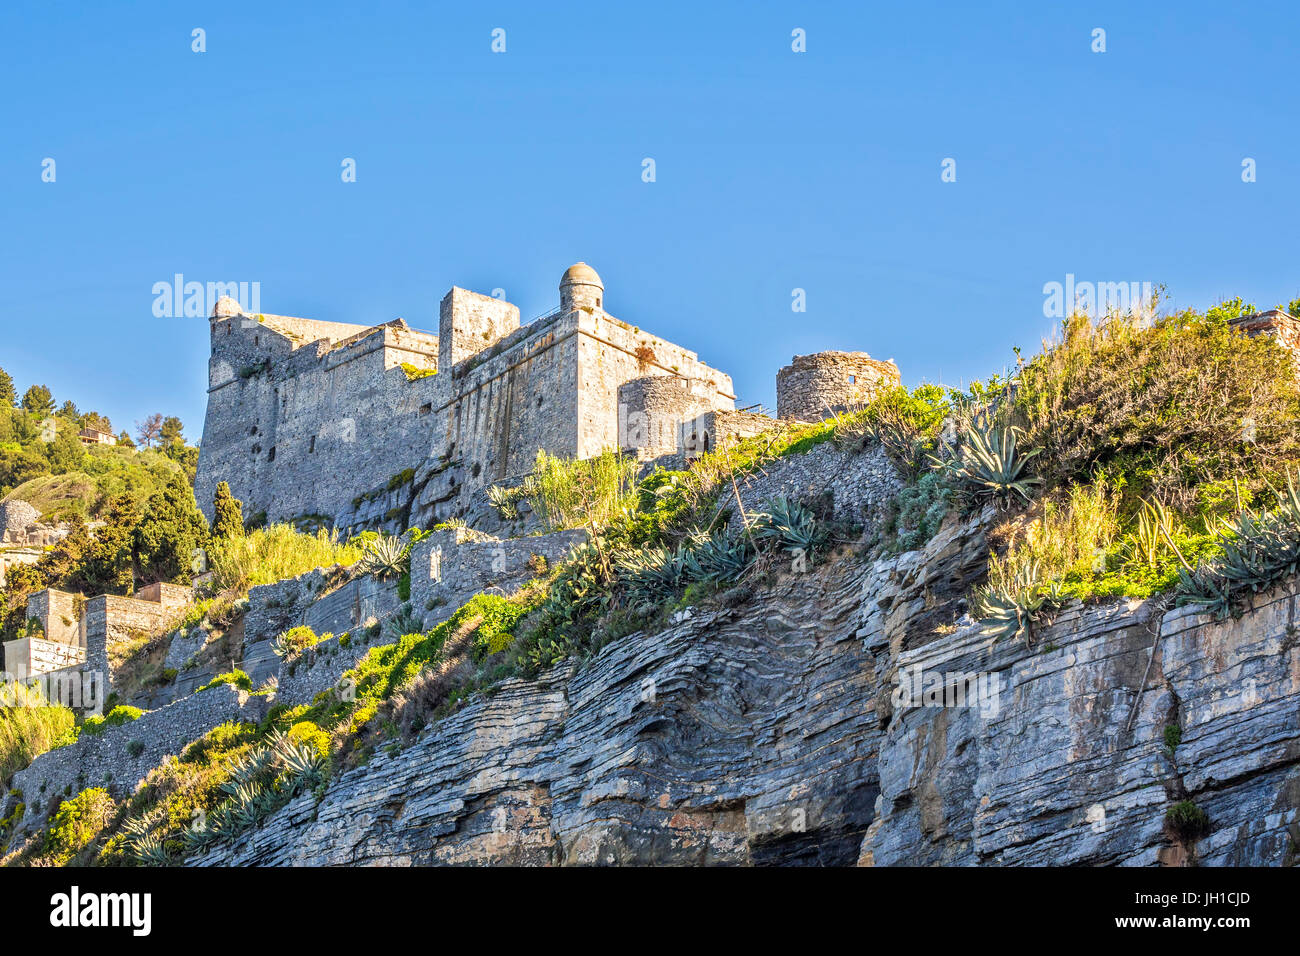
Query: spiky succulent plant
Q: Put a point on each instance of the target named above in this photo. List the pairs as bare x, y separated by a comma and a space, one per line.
989, 464
386, 558
790, 526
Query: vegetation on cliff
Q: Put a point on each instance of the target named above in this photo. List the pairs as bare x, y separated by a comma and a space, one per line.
1130, 458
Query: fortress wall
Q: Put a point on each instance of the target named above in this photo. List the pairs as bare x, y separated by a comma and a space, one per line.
305, 331
352, 423
304, 435
611, 352
657, 414
110, 619
512, 402
813, 387
469, 322
57, 612
27, 657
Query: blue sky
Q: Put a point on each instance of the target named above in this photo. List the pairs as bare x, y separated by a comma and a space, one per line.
775, 170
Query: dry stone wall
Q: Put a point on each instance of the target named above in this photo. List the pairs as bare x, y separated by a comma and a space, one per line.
119, 757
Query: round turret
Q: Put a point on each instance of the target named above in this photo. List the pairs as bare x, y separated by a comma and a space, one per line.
813, 387
581, 288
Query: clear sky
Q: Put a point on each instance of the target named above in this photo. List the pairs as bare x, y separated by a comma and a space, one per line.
775, 170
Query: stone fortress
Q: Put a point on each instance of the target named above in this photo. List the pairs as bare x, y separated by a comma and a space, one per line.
387, 427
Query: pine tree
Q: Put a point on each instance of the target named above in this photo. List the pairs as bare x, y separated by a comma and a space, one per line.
8, 394
227, 514
38, 401
166, 538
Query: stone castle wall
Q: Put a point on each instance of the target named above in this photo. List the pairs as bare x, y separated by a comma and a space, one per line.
812, 387
297, 428
310, 419
660, 415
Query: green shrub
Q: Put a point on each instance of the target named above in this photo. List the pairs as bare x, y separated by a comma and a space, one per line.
76, 824
119, 715
236, 678
295, 640
918, 510
1068, 536
906, 424
571, 493
1173, 736
1187, 820
307, 734
1168, 409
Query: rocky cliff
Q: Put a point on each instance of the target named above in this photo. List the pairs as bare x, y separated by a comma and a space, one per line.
851, 715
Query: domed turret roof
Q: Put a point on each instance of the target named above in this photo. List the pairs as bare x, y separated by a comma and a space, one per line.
226, 306
581, 274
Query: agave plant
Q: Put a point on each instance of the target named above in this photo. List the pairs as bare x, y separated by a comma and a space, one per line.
1259, 549
651, 573
386, 558
717, 558
1012, 610
405, 622
505, 501
303, 767
144, 845
791, 526
989, 463
1155, 525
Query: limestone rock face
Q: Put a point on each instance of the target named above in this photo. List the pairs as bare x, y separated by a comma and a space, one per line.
784, 730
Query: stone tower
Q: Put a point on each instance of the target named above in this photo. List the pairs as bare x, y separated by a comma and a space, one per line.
813, 387
581, 288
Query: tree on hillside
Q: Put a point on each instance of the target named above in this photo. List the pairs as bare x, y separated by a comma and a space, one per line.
171, 432
166, 538
8, 395
39, 401
228, 514
17, 466
150, 430
1293, 308
71, 412
124, 440
66, 453
105, 566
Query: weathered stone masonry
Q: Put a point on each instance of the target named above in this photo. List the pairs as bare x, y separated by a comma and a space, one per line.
303, 415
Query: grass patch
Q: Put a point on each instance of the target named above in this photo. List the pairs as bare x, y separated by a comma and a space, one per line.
28, 727
268, 555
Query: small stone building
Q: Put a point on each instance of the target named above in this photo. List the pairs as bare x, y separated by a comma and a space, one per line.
815, 387
75, 631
